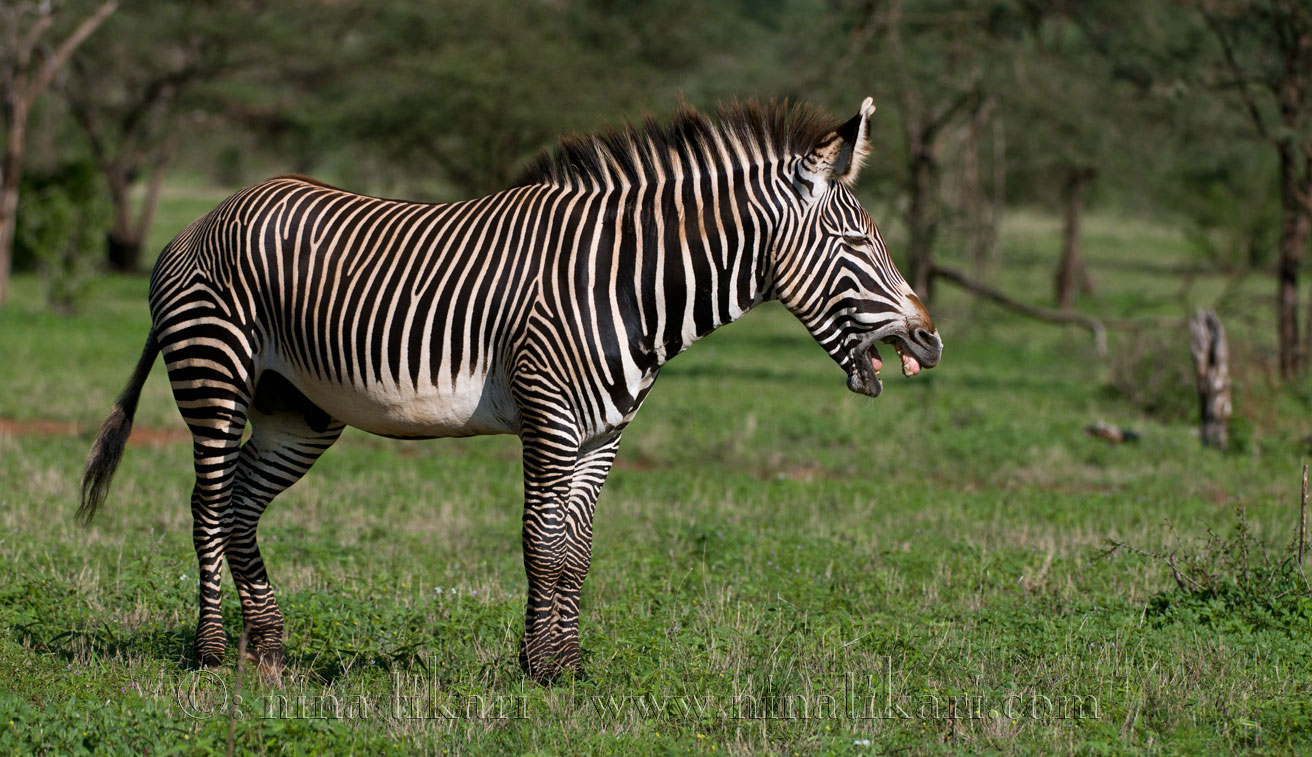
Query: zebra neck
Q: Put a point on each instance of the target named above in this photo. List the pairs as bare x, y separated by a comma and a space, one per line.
704, 270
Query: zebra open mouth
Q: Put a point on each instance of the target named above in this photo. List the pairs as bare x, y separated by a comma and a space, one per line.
865, 358
910, 365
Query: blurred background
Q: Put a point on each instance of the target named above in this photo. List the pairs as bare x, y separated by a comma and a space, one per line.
1011, 134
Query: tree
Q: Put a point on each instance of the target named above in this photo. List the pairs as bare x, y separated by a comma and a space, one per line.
1090, 119
937, 61
27, 67
1072, 273
1264, 62
946, 85
462, 98
125, 96
980, 199
1068, 97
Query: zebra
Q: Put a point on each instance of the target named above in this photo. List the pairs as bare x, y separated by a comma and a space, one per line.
546, 310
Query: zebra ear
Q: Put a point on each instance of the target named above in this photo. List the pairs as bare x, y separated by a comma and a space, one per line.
838, 156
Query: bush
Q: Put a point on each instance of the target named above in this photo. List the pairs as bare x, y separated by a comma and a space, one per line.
1153, 370
1233, 583
61, 225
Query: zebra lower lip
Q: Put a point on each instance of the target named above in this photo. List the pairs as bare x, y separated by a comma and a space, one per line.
864, 378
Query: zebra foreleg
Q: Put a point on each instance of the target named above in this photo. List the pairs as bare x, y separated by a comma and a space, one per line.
282, 447
561, 483
589, 475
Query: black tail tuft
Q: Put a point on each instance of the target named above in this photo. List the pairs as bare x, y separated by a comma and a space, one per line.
113, 437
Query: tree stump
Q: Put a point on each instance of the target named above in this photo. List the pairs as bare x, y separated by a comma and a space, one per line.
1212, 376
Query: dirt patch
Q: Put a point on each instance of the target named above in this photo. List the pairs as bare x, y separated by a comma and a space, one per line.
141, 437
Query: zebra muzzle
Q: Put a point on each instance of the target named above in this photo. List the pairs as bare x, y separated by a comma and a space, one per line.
866, 363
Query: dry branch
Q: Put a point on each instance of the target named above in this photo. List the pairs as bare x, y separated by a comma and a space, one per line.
1094, 326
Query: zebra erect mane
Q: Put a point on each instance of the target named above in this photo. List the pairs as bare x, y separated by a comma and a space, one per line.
626, 153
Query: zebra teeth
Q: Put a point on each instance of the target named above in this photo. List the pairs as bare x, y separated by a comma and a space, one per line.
910, 365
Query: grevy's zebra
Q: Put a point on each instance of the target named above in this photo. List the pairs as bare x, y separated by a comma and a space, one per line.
545, 311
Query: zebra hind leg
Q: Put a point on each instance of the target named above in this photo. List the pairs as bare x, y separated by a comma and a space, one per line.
216, 430
288, 434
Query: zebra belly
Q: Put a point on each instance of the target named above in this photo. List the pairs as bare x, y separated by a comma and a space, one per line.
469, 406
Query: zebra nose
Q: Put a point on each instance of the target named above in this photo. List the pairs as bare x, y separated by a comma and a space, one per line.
931, 343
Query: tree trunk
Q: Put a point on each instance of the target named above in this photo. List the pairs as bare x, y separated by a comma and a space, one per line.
1212, 377
149, 203
1072, 275
922, 223
124, 251
999, 193
1307, 332
1295, 227
11, 172
122, 244
978, 206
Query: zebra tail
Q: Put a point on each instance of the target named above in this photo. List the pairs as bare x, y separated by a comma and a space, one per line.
113, 436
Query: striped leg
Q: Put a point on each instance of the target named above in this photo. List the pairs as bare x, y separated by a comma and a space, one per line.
589, 475
549, 455
282, 447
209, 362
215, 451
561, 483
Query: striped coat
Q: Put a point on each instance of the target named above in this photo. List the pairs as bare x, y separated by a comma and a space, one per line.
546, 310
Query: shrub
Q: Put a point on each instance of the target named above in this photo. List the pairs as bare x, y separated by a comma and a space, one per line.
1233, 583
61, 225
1153, 370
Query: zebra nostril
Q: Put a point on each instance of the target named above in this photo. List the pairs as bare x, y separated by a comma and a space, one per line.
924, 337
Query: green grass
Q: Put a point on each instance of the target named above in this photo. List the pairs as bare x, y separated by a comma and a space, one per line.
767, 537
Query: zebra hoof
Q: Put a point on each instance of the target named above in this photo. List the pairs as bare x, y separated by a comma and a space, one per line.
551, 670
545, 675
271, 655
209, 658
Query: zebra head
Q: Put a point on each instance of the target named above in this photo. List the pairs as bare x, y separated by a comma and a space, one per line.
834, 273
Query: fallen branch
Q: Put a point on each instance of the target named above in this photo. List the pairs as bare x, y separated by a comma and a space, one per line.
1094, 326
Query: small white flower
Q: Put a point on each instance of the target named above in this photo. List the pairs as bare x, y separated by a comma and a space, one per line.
861, 742
182, 577
437, 589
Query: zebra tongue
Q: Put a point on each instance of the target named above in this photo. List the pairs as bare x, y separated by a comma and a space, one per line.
910, 366
875, 362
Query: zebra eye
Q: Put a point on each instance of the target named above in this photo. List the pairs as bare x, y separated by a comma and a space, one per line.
856, 240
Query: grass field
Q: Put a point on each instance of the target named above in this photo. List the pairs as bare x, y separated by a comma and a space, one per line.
780, 566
